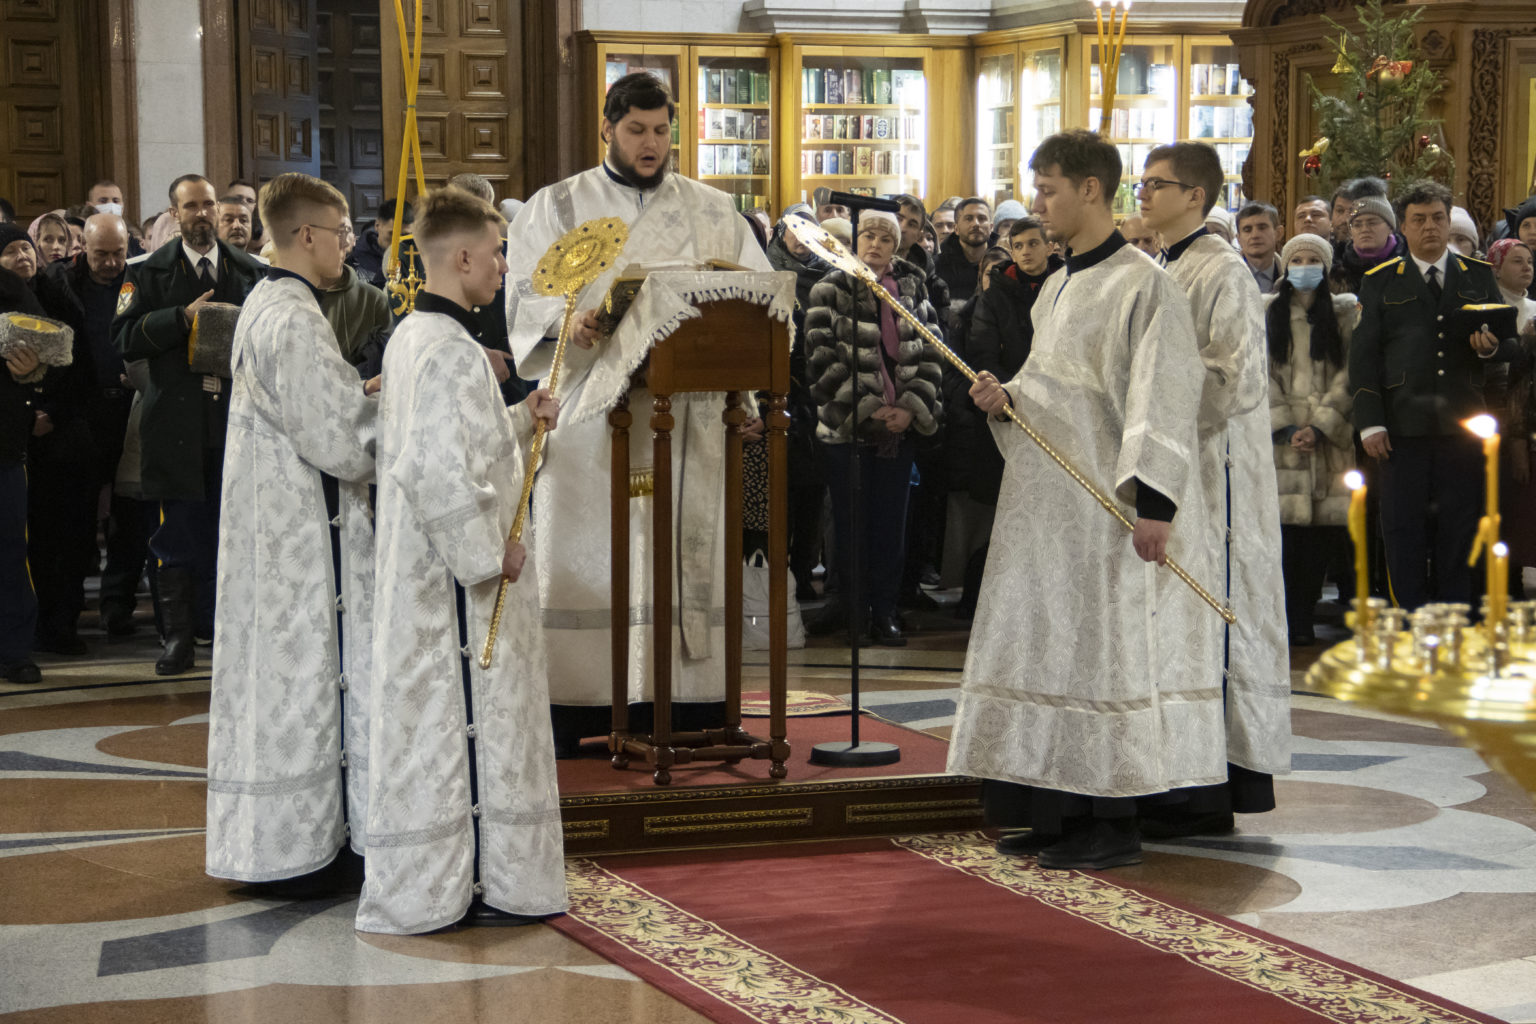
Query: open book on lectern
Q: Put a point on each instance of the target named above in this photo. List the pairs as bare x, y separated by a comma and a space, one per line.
627, 282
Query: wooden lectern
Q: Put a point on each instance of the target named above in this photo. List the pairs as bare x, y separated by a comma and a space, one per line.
735, 347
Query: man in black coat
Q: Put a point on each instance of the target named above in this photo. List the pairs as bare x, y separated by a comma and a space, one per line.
960, 253
1415, 380
21, 384
94, 279
184, 413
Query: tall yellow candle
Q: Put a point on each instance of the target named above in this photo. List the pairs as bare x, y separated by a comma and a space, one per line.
1356, 484
1498, 585
1487, 428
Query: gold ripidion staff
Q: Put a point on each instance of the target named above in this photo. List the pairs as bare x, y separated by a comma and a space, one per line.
580, 256
830, 249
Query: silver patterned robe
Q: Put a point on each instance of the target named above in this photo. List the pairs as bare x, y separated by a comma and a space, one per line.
1242, 498
680, 220
450, 476
1090, 671
283, 701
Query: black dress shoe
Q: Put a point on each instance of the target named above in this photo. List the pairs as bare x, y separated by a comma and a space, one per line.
1026, 844
482, 915
118, 622
887, 632
24, 671
1101, 843
1181, 824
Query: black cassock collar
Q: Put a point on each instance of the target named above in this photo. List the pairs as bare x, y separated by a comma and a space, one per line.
1098, 254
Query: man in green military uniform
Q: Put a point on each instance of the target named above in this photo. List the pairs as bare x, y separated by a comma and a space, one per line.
184, 413
1415, 378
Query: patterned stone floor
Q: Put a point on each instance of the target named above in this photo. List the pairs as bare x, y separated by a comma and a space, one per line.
1393, 848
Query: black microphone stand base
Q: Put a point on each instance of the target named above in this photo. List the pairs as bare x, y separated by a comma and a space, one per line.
842, 754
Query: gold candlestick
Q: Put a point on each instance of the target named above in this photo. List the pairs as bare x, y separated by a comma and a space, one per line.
1111, 43
1487, 538
1356, 482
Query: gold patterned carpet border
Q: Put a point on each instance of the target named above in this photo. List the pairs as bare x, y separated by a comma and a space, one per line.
797, 703
1331, 990
743, 976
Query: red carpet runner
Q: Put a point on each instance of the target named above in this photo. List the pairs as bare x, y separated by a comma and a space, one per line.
941, 930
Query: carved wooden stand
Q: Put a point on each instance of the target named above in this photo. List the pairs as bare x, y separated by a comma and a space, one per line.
733, 347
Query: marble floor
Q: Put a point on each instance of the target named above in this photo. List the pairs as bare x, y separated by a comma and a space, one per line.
1392, 847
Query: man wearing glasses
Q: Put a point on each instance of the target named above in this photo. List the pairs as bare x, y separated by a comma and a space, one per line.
183, 413
287, 721
1178, 190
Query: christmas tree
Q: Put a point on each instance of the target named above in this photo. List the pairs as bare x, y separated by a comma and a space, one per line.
1378, 123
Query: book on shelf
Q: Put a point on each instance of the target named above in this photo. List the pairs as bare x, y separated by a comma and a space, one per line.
714, 128
833, 81
712, 85
729, 127
1242, 122
863, 162
866, 126
907, 87
1234, 80
743, 85
855, 126
706, 160
1224, 122
882, 128
762, 126
812, 126
882, 90
1202, 122
761, 87
819, 162
759, 160
1200, 79
828, 126
1160, 79
746, 125
727, 86
839, 126
853, 86
810, 86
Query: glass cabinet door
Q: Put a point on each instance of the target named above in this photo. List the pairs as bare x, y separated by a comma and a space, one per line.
1146, 105
1039, 104
863, 123
996, 121
1219, 113
666, 64
735, 126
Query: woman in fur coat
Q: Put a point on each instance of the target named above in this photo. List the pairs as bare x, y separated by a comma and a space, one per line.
1309, 406
897, 393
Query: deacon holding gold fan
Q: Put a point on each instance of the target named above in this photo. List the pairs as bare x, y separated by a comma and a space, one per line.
463, 812
184, 409
671, 219
287, 718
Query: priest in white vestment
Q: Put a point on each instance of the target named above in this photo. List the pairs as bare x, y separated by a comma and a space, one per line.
671, 219
1180, 184
463, 810
1091, 677
287, 719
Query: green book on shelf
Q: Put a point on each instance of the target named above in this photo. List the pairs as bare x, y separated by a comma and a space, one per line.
760, 87
882, 85
743, 85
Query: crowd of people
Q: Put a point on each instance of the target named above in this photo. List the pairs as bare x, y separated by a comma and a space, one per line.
1217, 373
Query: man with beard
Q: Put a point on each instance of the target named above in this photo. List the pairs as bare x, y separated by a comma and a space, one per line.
671, 218
184, 413
234, 222
960, 253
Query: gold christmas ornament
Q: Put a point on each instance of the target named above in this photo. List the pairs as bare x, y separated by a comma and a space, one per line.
579, 257
1342, 66
823, 244
1317, 148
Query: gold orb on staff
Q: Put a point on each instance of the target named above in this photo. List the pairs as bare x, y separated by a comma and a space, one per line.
823, 244
579, 257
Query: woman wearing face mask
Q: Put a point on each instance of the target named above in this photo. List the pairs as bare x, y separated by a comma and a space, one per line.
1309, 407
897, 390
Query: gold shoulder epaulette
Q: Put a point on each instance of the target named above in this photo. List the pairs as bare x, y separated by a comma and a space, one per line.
1394, 261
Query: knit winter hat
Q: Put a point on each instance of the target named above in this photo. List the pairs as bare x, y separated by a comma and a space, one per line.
840, 229
1220, 221
11, 232
1376, 206
1317, 245
1009, 209
869, 218
1461, 220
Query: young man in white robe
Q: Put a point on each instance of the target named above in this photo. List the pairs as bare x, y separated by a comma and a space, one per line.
1091, 678
463, 811
287, 720
671, 219
1179, 186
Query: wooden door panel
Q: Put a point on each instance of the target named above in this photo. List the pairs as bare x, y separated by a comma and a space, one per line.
280, 115
350, 103
44, 159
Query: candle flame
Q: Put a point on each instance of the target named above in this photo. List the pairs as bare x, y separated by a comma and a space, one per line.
1483, 425
1500, 550
1354, 480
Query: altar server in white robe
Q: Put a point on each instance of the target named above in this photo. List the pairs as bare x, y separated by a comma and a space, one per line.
287, 720
1090, 679
1179, 187
463, 812
671, 219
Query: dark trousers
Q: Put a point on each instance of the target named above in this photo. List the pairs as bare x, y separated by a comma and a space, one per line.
127, 532
1431, 481
18, 601
1012, 805
61, 541
188, 538
885, 483
806, 487
926, 514
1307, 555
